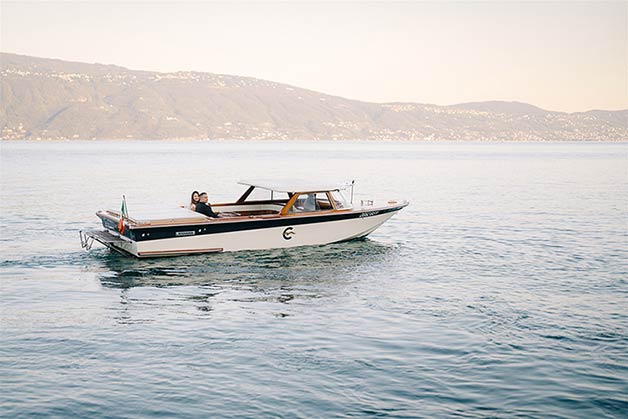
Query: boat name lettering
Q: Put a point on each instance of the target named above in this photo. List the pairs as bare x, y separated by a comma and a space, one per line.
369, 213
185, 233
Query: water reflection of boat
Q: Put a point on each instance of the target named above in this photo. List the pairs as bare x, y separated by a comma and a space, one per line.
266, 216
251, 269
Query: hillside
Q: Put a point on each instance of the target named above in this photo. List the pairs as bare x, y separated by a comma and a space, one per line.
53, 99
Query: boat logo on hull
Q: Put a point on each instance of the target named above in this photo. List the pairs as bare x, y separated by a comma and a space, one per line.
288, 233
369, 214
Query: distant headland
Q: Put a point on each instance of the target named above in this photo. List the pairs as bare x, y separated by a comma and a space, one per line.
48, 99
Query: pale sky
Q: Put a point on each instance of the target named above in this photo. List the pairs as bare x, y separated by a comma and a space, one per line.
564, 56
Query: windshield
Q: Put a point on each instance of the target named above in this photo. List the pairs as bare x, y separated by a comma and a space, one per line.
340, 200
311, 202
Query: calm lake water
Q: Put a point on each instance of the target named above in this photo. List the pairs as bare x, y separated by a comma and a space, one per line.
501, 291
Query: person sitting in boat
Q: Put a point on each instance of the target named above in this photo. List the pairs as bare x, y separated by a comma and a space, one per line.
204, 207
194, 200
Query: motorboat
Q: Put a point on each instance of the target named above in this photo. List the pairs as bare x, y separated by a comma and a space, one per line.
267, 215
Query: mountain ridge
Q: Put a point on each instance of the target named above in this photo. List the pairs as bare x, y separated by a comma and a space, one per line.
47, 98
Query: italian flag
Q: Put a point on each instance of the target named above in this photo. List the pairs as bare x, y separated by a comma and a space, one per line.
123, 215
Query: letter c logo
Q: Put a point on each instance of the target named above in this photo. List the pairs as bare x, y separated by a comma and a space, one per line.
288, 233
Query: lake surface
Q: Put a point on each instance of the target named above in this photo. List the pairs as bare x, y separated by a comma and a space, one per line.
501, 291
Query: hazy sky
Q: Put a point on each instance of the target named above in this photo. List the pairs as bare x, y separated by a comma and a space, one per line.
557, 55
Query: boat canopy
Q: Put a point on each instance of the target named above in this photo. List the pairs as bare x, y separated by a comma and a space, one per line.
295, 186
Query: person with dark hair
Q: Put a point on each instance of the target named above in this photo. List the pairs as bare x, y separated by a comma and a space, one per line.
194, 200
203, 206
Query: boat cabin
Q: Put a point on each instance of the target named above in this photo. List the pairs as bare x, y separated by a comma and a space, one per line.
275, 199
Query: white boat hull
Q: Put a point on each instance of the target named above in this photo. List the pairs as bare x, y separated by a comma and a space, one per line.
264, 238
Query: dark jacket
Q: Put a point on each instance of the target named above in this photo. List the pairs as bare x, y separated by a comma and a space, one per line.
205, 209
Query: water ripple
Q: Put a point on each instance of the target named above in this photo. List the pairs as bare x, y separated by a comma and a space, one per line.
500, 292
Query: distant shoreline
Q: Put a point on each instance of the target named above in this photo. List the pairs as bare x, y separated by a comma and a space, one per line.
60, 100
